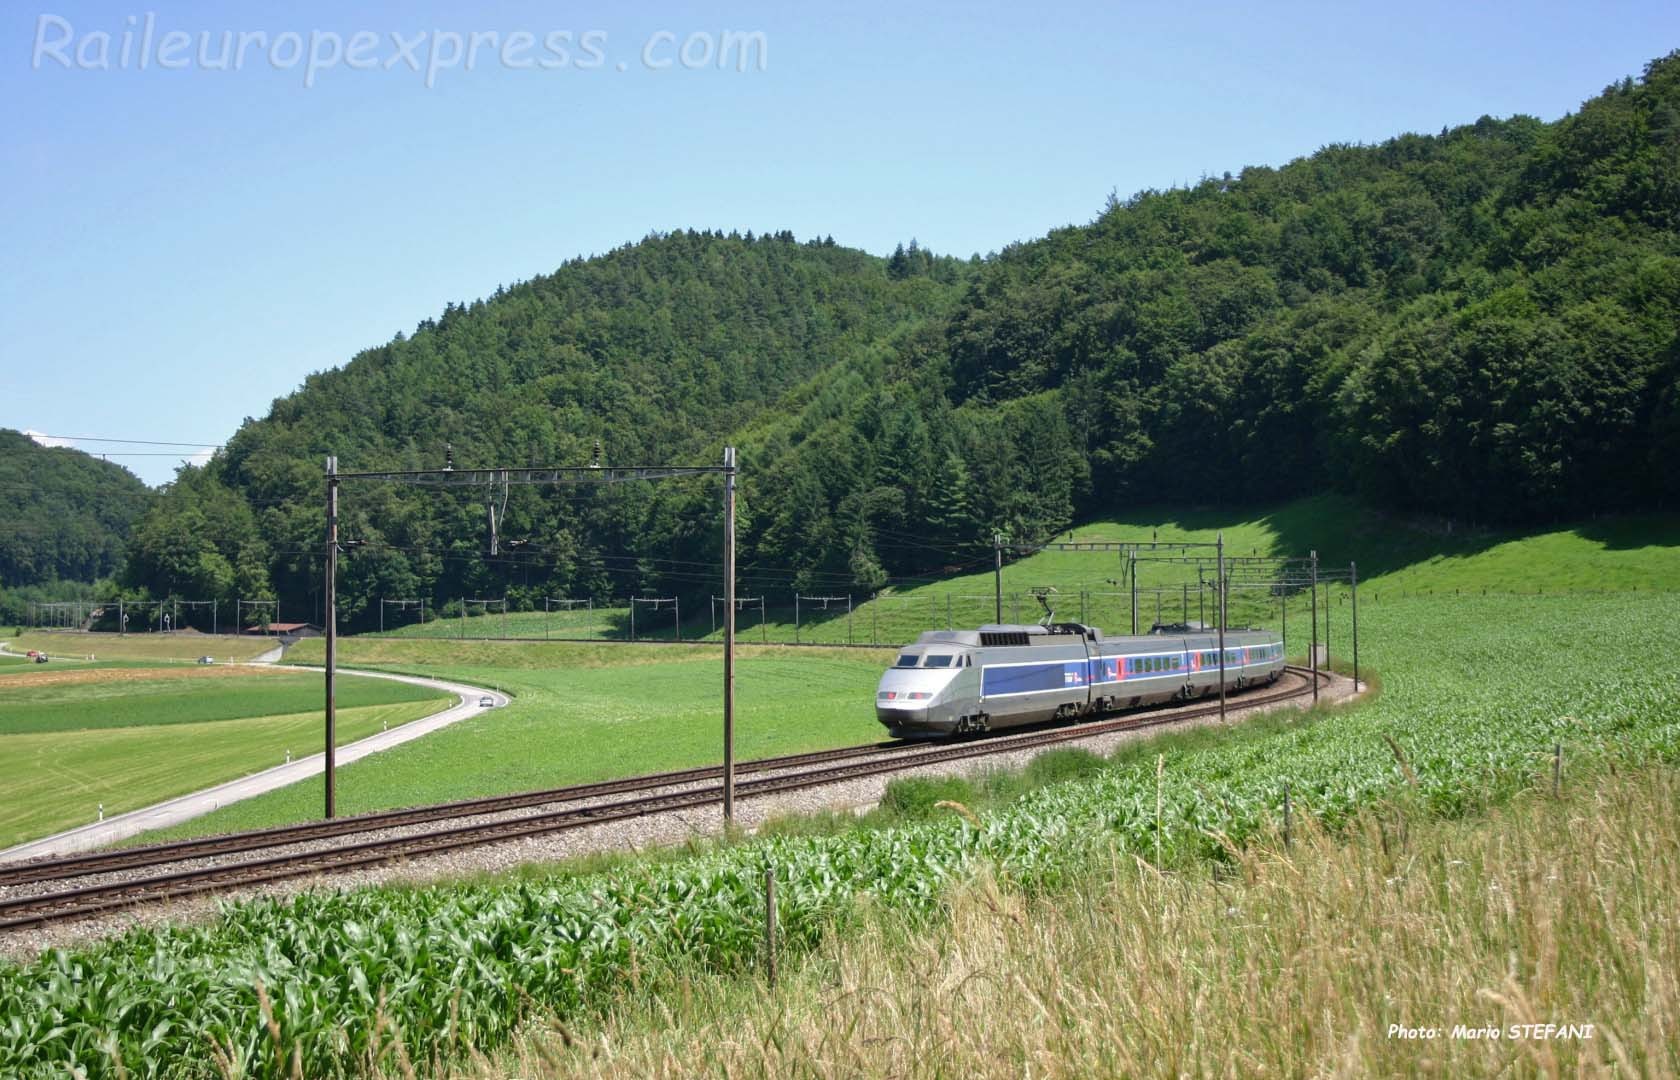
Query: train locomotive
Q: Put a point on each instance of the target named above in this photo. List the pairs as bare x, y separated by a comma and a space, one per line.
953, 682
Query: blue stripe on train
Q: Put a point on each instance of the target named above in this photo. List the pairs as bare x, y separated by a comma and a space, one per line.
1031, 678
1059, 675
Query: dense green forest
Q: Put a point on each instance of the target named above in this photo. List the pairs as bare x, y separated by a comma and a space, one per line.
64, 519
1479, 324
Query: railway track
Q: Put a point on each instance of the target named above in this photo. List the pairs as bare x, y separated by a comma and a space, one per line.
643, 797
99, 862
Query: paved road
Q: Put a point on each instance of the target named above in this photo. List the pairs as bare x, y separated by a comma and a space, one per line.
186, 807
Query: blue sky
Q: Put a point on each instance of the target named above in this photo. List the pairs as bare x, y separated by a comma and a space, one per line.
183, 245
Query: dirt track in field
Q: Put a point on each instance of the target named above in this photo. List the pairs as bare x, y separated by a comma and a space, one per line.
112, 675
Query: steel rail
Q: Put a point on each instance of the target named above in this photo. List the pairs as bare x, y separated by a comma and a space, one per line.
64, 867
43, 908
141, 855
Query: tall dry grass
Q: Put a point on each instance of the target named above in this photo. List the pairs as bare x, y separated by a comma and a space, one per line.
1286, 962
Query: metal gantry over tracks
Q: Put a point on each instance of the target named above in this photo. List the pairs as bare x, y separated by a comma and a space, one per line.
495, 480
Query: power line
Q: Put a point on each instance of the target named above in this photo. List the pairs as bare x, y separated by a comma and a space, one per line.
37, 436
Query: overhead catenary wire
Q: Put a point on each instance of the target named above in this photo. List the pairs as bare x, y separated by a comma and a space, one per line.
37, 436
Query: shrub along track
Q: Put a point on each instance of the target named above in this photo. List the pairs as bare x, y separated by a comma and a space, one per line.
141, 876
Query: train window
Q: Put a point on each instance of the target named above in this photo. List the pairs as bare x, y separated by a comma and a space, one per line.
939, 659
907, 659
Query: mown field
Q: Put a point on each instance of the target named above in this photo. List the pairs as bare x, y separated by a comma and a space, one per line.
581, 713
602, 623
76, 700
72, 738
1396, 558
185, 647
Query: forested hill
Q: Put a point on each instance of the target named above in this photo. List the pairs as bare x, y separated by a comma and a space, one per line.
658, 352
1480, 324
63, 515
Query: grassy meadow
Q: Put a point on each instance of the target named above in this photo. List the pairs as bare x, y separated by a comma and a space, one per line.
128, 737
583, 712
1396, 557
151, 647
602, 623
150, 698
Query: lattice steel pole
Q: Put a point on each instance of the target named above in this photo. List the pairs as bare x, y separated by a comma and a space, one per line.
1329, 590
997, 575
332, 628
1221, 616
1353, 582
729, 635
1314, 653
1132, 574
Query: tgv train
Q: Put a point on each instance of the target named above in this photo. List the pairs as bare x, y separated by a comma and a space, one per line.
956, 681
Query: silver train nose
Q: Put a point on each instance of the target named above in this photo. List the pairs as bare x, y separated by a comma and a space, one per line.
902, 715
